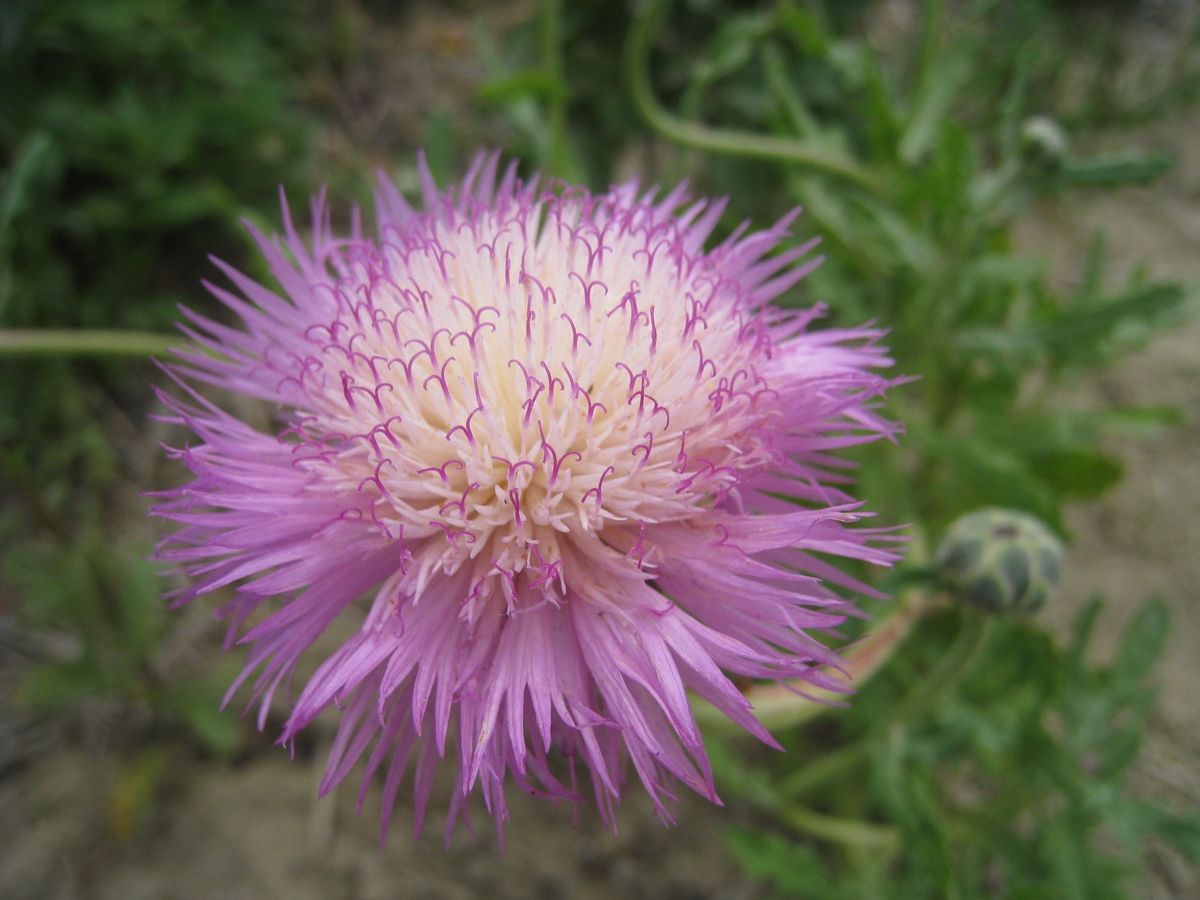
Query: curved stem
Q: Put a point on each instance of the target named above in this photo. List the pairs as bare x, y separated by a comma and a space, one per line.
958, 660
721, 140
789, 703
86, 342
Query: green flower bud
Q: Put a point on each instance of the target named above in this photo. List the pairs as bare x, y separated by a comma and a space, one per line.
1000, 560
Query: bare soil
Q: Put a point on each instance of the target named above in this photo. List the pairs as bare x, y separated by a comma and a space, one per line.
1143, 539
256, 831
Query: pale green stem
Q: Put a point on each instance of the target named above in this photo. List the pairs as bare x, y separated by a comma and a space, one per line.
722, 140
785, 704
878, 838
958, 661
86, 342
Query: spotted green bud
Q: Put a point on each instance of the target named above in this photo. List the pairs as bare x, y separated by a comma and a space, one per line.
1000, 560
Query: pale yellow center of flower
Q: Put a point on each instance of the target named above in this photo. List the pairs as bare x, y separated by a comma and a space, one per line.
523, 384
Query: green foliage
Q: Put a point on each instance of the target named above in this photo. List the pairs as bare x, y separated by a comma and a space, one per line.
109, 607
1008, 782
133, 136
929, 257
971, 767
132, 132
922, 243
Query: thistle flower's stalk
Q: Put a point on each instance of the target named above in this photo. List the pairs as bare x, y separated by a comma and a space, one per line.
957, 662
722, 140
781, 705
85, 342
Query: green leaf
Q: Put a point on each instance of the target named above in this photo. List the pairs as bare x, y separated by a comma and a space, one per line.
15, 188
1143, 641
1081, 635
804, 29
1077, 473
909, 245
138, 784
523, 85
937, 93
733, 45
1078, 332
142, 610
1181, 829
58, 687
441, 147
1068, 859
1000, 270
985, 473
748, 782
1141, 421
198, 706
1112, 171
1091, 283
792, 867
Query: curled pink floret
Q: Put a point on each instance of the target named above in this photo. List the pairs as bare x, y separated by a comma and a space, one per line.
561, 467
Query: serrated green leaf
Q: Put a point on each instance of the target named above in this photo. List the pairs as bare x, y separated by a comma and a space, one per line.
908, 244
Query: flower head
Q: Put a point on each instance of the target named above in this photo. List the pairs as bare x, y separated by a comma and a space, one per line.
556, 462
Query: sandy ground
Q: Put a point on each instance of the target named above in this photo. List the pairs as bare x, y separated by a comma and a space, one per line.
1143, 539
254, 831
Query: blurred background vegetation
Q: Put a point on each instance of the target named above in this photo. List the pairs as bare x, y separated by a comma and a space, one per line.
135, 134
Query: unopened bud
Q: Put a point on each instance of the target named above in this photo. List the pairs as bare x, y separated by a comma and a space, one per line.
1000, 560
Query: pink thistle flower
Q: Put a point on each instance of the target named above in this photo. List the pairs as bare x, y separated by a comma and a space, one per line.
535, 447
